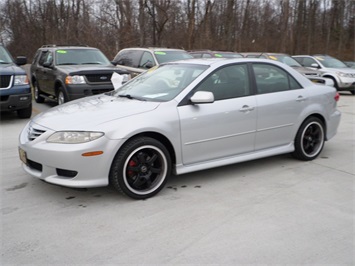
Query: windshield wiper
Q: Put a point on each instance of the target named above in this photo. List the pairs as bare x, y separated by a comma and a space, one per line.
128, 96
63, 64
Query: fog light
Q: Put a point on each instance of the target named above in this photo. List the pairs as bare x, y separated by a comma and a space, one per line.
23, 98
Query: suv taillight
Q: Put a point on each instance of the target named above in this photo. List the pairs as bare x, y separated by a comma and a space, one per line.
337, 97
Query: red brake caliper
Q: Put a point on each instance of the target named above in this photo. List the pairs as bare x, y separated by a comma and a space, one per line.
131, 164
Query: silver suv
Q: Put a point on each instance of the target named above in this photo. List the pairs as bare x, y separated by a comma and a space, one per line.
138, 60
342, 76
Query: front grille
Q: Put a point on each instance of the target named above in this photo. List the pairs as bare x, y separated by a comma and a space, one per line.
34, 165
96, 91
99, 78
5, 81
34, 133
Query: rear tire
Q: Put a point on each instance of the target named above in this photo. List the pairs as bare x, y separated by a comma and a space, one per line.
141, 168
25, 113
309, 140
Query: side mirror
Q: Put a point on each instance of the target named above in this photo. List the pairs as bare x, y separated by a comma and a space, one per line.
114, 63
47, 64
315, 65
21, 60
200, 97
148, 65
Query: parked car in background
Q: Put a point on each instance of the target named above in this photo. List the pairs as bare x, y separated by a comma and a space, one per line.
180, 117
288, 60
350, 64
313, 75
342, 76
251, 54
15, 89
64, 73
214, 54
138, 60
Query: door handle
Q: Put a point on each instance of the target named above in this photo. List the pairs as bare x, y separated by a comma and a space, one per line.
246, 109
301, 99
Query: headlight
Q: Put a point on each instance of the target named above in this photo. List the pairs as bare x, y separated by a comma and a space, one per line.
21, 80
74, 137
344, 75
75, 80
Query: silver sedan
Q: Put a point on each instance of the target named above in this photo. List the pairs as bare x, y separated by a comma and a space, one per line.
177, 118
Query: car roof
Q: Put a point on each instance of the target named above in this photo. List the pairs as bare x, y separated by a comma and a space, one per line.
153, 49
219, 61
55, 46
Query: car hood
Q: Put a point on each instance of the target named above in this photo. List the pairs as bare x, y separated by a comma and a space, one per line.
10, 69
90, 112
89, 69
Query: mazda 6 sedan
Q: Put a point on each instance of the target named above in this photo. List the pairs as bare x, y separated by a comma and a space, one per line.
178, 118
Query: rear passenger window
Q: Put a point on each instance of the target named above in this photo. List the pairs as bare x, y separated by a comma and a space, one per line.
271, 79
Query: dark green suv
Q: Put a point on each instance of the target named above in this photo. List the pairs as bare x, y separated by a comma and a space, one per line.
15, 90
65, 73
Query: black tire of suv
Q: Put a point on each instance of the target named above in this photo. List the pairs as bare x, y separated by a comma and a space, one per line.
61, 96
37, 92
25, 113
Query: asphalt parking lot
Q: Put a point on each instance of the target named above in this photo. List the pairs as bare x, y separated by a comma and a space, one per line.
270, 211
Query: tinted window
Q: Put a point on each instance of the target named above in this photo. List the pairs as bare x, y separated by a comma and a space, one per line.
228, 82
45, 57
4, 56
271, 79
129, 58
147, 60
307, 62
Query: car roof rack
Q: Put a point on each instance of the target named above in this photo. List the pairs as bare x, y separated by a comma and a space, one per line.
61, 45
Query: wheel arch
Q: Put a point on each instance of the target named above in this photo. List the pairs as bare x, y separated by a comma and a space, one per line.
161, 138
321, 118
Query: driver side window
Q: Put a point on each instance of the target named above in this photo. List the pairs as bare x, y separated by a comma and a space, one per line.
147, 61
228, 82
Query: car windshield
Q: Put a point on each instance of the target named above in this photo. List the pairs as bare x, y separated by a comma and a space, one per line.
5, 58
81, 57
288, 60
331, 62
162, 83
168, 56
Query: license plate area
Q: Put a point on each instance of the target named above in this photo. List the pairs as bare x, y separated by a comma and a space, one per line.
23, 155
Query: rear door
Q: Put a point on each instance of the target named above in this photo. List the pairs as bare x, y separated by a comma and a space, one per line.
280, 100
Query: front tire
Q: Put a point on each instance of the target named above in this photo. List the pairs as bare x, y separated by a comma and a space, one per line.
61, 96
309, 140
141, 168
37, 92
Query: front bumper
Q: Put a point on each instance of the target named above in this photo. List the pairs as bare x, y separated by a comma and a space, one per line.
79, 91
64, 164
346, 84
15, 102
